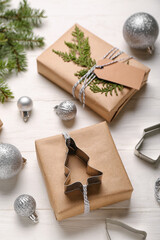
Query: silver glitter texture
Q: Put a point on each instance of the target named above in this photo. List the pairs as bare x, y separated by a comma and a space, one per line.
11, 161
157, 190
66, 110
25, 206
140, 31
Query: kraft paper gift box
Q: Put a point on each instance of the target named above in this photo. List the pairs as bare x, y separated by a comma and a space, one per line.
62, 73
97, 143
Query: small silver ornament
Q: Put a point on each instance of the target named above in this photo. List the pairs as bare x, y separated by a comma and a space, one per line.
25, 105
25, 206
66, 110
141, 31
11, 161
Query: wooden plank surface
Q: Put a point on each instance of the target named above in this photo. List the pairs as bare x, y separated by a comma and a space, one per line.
104, 18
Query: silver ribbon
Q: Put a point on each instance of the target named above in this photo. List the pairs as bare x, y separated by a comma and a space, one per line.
125, 226
86, 201
90, 75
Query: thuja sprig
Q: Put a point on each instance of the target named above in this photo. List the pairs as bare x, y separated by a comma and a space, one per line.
16, 35
106, 87
80, 54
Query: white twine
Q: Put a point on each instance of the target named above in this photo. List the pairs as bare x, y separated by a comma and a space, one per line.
86, 201
66, 136
90, 75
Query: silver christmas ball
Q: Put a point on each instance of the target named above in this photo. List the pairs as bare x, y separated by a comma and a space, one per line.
141, 31
25, 105
25, 206
66, 110
11, 161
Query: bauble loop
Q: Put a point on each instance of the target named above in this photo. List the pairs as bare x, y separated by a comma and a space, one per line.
66, 110
11, 161
141, 31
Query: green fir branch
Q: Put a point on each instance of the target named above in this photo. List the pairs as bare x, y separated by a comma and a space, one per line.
4, 4
16, 35
28, 40
80, 54
3, 39
5, 92
24, 13
6, 68
18, 57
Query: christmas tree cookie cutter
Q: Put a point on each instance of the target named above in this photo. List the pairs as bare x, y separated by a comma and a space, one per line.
137, 232
146, 133
95, 174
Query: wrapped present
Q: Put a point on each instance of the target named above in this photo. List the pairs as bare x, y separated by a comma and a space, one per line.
115, 83
96, 142
1, 124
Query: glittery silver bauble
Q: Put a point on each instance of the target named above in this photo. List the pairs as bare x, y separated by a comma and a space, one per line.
141, 31
11, 161
66, 110
25, 206
25, 105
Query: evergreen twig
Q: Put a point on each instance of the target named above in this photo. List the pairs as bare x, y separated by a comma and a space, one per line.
16, 35
4, 4
5, 92
80, 54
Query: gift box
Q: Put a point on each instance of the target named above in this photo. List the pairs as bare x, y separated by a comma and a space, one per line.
63, 72
97, 143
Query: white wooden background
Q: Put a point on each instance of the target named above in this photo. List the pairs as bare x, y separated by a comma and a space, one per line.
104, 18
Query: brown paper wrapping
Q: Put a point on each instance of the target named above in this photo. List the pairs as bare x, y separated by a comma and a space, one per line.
1, 124
97, 143
62, 73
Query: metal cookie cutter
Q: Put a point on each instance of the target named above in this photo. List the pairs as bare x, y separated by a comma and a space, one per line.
94, 173
147, 132
125, 226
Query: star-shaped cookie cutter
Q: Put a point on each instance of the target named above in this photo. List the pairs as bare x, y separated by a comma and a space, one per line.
95, 174
147, 132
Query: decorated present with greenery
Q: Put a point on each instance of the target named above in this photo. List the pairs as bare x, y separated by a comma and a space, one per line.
69, 59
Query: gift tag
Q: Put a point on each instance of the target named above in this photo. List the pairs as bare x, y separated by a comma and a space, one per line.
120, 73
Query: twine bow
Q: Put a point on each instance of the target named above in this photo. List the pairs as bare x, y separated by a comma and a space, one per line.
90, 75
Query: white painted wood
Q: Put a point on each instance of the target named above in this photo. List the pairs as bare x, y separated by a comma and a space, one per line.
82, 227
104, 18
